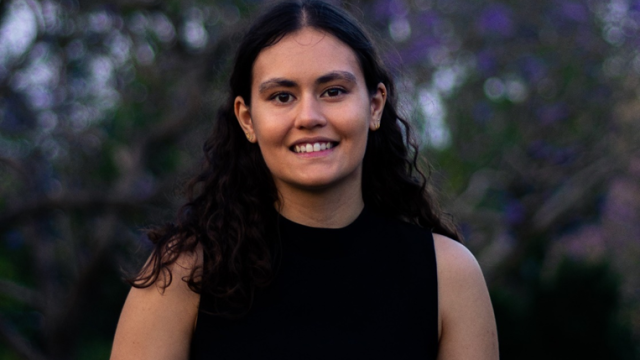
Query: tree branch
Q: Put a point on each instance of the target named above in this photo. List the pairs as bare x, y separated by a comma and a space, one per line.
13, 164
70, 201
18, 292
570, 194
179, 118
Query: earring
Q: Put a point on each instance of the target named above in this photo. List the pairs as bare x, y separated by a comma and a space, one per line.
249, 137
376, 125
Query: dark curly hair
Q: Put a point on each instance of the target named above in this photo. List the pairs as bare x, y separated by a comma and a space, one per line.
230, 210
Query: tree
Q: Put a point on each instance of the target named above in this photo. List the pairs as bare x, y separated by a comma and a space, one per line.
527, 112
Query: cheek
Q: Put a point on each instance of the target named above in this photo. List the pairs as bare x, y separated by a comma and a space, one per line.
270, 134
269, 128
353, 121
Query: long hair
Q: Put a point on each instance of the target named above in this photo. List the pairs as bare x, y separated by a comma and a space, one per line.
230, 212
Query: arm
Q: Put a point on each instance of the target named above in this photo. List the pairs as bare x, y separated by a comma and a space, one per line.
158, 325
467, 323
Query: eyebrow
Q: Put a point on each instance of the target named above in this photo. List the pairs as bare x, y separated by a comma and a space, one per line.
336, 75
282, 82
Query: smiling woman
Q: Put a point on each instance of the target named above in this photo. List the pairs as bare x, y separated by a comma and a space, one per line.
308, 93
309, 233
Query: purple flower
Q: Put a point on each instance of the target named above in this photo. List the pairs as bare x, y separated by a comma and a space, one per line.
386, 9
427, 19
534, 68
381, 10
419, 49
486, 63
397, 8
619, 205
575, 11
496, 19
514, 212
553, 113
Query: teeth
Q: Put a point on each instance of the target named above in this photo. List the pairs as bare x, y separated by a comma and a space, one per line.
307, 148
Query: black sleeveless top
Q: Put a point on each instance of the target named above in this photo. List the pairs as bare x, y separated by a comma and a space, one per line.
365, 291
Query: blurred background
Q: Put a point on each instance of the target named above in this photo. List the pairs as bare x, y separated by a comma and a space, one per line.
528, 111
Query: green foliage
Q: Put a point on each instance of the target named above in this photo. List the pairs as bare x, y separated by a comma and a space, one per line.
573, 315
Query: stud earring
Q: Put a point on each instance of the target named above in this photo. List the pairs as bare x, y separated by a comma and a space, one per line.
376, 125
249, 137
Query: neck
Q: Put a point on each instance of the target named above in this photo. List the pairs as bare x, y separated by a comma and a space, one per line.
328, 209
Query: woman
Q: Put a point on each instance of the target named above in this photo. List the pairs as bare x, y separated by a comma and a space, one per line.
310, 233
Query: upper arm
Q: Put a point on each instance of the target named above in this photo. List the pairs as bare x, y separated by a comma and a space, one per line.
156, 324
467, 323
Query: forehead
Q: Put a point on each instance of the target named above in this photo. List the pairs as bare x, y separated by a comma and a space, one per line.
306, 53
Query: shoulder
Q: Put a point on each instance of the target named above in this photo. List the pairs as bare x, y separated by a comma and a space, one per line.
157, 321
460, 279
455, 261
467, 323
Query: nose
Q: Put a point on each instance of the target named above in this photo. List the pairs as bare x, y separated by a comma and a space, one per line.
310, 113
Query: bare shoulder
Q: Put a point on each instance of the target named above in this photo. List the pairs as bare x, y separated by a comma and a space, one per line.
158, 322
455, 261
467, 323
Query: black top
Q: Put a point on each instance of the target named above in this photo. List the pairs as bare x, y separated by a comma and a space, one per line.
365, 291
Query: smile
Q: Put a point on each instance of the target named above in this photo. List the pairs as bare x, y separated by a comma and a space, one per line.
308, 148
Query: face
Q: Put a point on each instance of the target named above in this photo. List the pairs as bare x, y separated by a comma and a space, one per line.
310, 111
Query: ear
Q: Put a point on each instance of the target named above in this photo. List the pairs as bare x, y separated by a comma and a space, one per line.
378, 100
243, 115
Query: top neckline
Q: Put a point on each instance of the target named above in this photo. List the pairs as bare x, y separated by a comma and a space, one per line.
286, 222
317, 242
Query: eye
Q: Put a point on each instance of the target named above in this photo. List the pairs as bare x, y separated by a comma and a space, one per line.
281, 97
333, 92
